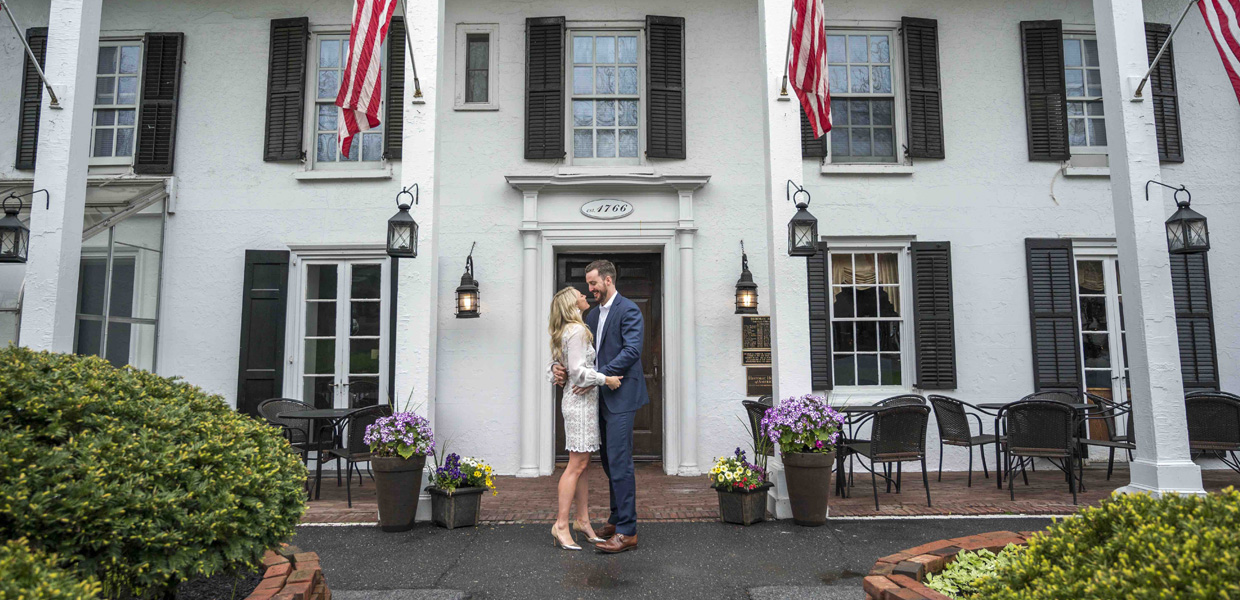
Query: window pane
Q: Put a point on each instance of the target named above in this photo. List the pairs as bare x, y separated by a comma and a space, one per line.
860, 142
628, 50
867, 336
628, 80
1093, 82
628, 143
1093, 313
127, 90
320, 319
843, 302
867, 301
91, 283
860, 80
835, 49
105, 117
837, 79
366, 281
1094, 109
845, 371
606, 143
1076, 132
1075, 81
89, 336
628, 113
105, 90
1072, 53
1076, 109
320, 357
329, 53
107, 60
476, 86
889, 336
363, 391
318, 392
325, 147
867, 369
605, 49
890, 369
839, 113
605, 112
880, 51
329, 84
372, 146
583, 49
363, 355
858, 49
1097, 350
889, 301
129, 59
841, 269
605, 80
103, 142
583, 113
118, 343
583, 143
478, 53
1091, 53
583, 82
124, 141
353, 146
859, 112
125, 117
839, 141
1098, 379
321, 282
1097, 132
888, 268
842, 336
365, 319
884, 143
327, 117
882, 80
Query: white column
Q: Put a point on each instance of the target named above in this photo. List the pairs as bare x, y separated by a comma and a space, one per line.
1162, 459
688, 357
531, 371
50, 304
790, 315
417, 311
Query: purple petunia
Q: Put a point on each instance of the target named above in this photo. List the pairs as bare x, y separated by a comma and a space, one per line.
802, 424
406, 431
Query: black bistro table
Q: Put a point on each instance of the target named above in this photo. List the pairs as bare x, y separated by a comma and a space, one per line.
333, 418
853, 414
998, 407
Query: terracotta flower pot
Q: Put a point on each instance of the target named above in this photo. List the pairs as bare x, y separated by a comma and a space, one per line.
460, 508
809, 485
743, 507
398, 482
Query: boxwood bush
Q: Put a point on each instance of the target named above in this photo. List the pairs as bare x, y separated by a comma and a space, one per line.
1131, 547
28, 574
138, 480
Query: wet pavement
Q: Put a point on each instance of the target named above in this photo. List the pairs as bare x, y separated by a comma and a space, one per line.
768, 561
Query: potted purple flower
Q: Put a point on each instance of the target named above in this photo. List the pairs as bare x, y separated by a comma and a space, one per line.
399, 444
456, 491
742, 488
806, 431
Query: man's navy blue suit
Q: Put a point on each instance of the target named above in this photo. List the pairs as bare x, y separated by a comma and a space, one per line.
619, 353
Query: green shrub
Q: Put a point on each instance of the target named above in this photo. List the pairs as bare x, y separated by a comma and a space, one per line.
961, 578
1132, 547
139, 480
28, 574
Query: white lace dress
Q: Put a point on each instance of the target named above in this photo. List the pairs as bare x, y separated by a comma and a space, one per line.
581, 433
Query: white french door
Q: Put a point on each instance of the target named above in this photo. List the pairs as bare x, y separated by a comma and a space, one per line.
1100, 303
344, 328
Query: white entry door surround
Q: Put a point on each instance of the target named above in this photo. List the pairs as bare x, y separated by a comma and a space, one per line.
661, 221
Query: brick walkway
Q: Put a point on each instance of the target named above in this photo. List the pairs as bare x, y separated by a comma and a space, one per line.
668, 498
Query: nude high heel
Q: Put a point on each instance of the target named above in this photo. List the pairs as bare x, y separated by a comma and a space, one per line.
592, 540
562, 545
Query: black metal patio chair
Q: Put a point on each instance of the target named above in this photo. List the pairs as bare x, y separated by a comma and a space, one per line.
1109, 413
900, 400
898, 435
354, 448
1214, 426
1063, 397
755, 410
296, 431
1041, 429
1212, 393
954, 430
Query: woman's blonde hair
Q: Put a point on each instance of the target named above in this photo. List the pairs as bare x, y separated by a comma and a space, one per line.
564, 312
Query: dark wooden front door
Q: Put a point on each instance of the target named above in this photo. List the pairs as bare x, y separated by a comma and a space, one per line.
640, 279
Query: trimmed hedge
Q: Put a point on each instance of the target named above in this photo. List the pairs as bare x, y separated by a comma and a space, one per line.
28, 574
138, 480
1132, 547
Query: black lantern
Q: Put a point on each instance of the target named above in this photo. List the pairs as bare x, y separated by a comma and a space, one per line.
402, 236
467, 292
746, 289
803, 228
14, 236
1186, 229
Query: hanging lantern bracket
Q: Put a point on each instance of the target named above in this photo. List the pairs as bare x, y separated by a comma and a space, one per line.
469, 262
406, 192
744, 258
18, 197
1182, 204
792, 195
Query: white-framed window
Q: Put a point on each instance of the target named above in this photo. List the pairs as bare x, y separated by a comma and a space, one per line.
870, 317
118, 79
605, 107
866, 114
329, 52
477, 63
1100, 302
343, 328
1087, 132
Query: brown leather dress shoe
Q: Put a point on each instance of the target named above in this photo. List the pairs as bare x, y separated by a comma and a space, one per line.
618, 543
606, 531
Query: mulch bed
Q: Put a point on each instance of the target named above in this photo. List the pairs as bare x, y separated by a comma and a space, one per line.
225, 586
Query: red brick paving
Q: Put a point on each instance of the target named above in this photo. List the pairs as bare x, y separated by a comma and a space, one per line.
670, 498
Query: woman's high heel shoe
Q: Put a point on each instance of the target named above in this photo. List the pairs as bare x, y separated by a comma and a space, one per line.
592, 540
562, 545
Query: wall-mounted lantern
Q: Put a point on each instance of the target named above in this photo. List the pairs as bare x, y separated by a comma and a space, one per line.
746, 289
467, 293
402, 237
803, 228
1186, 229
14, 235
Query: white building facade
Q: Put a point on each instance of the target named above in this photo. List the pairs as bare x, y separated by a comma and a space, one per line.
978, 157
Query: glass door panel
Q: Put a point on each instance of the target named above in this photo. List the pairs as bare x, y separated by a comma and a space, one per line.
1104, 357
365, 312
319, 372
345, 334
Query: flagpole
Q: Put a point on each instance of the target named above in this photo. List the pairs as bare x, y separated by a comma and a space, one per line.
1154, 63
783, 90
53, 102
417, 86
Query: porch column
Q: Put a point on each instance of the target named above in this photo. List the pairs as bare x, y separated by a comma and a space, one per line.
688, 357
531, 371
1162, 460
790, 315
50, 304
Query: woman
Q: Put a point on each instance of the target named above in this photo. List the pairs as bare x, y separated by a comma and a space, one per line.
572, 346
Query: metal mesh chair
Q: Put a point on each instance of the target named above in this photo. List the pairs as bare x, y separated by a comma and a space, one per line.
1214, 426
756, 410
1109, 412
900, 400
354, 449
897, 436
1056, 396
1212, 393
1041, 429
954, 430
296, 431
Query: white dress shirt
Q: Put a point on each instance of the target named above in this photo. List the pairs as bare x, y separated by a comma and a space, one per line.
603, 309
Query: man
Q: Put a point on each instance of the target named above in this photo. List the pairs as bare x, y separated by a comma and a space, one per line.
618, 330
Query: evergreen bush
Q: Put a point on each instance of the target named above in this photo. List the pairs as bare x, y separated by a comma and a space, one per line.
137, 480
28, 574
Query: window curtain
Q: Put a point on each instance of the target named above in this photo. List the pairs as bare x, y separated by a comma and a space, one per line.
1089, 276
865, 275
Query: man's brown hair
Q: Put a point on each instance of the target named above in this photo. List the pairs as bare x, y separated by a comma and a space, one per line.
605, 269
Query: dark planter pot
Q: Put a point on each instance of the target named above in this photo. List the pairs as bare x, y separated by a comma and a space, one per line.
398, 482
460, 508
743, 507
809, 485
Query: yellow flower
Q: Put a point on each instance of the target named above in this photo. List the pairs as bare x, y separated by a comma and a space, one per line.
477, 474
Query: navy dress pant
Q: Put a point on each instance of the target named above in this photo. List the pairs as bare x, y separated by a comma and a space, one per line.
616, 453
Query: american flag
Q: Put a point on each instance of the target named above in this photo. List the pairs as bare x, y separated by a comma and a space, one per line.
807, 63
1220, 16
361, 85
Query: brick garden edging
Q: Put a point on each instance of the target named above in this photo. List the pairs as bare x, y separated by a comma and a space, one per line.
900, 576
291, 575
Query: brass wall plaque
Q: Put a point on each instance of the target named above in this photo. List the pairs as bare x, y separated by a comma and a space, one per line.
758, 381
755, 333
756, 358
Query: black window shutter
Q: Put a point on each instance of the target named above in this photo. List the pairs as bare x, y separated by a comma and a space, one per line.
811, 147
922, 87
1194, 318
394, 111
819, 319
32, 99
1052, 315
1045, 94
933, 320
1163, 91
157, 114
264, 300
665, 86
286, 89
544, 87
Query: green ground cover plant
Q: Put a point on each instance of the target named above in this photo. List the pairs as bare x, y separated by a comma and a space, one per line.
137, 480
962, 578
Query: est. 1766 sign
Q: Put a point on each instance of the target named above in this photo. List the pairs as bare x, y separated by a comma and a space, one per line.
607, 209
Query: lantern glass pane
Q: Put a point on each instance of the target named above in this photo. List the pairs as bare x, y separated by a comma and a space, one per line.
1174, 237
399, 238
1197, 237
467, 302
8, 242
804, 235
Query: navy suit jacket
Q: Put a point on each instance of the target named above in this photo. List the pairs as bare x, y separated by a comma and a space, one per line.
620, 353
